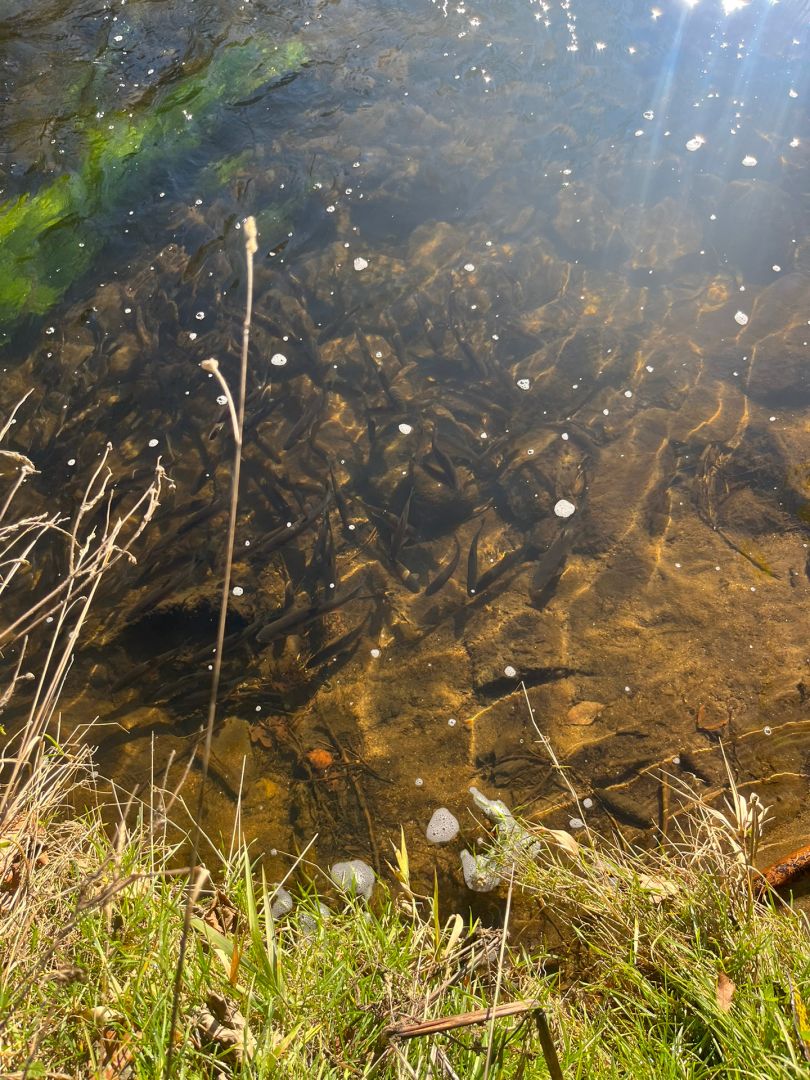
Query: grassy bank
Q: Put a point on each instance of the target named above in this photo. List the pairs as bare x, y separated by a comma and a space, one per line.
648, 964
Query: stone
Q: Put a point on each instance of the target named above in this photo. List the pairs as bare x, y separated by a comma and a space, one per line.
584, 712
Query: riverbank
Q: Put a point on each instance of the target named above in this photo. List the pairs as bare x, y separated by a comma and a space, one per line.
656, 963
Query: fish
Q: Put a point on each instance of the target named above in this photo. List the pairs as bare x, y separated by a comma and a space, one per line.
338, 646
510, 559
444, 462
472, 562
299, 617
398, 536
550, 564
445, 573
340, 501
306, 420
279, 537
408, 579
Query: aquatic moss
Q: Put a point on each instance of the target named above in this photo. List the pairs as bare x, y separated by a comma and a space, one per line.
49, 239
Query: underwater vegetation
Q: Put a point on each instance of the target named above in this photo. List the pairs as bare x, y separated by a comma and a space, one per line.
50, 238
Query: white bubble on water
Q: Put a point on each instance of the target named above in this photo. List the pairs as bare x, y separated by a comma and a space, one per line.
587, 803
419, 781
153, 443
563, 508
648, 114
360, 263
376, 653
222, 400
741, 318
793, 93
524, 384
564, 436
405, 429
776, 268
282, 903
451, 722
354, 876
510, 672
192, 336
72, 461
576, 823
695, 143
442, 827
469, 267
238, 590
200, 315
749, 161
278, 359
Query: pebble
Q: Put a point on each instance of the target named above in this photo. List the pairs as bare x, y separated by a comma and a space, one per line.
442, 827
584, 712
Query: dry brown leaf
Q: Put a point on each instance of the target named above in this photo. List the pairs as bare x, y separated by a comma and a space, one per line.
562, 839
221, 914
725, 991
659, 888
220, 1023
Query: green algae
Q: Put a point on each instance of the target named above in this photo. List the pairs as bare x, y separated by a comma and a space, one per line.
50, 238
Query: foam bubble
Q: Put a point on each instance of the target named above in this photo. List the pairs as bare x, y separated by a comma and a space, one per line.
282, 903
442, 827
563, 508
354, 877
278, 359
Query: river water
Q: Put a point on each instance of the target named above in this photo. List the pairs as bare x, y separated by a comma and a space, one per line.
510, 254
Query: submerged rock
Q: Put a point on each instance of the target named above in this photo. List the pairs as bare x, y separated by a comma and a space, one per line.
354, 877
442, 827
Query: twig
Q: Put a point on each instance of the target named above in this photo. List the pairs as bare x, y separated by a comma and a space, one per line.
547, 1043
238, 414
410, 1030
499, 975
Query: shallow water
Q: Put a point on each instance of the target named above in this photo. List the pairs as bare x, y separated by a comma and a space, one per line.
584, 274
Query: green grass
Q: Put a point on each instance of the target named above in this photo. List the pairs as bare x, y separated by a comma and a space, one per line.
634, 958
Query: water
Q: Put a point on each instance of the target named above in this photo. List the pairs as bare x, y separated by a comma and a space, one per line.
511, 255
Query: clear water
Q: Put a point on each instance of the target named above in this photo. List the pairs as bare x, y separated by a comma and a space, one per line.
512, 253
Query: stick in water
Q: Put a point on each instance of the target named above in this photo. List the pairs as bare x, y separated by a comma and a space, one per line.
237, 422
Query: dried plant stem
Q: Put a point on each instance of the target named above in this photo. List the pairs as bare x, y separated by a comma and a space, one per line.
237, 421
499, 976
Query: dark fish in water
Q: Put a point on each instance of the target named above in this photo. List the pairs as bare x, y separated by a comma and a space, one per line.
338, 646
510, 559
469, 353
444, 462
288, 532
445, 573
299, 617
340, 501
398, 536
408, 579
472, 562
550, 564
306, 420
